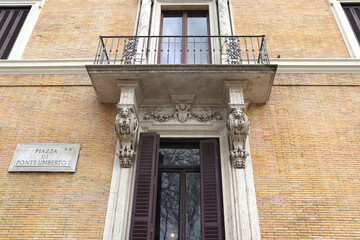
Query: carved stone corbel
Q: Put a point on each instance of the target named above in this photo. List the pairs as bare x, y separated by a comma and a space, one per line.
126, 126
238, 128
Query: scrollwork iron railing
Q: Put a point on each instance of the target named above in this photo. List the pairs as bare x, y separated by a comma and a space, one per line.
182, 50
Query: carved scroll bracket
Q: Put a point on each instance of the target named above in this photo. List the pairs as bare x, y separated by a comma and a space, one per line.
126, 126
238, 128
237, 124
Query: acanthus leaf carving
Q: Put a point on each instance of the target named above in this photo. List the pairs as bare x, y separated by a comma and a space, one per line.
207, 114
158, 114
238, 128
126, 125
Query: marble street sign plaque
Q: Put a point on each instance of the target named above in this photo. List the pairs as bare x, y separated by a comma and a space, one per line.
45, 157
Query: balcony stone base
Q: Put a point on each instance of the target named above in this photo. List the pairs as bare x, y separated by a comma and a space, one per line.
157, 83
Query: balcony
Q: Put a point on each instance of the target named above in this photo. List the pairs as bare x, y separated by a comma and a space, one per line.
182, 50
167, 65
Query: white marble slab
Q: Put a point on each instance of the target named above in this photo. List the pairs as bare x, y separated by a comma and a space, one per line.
45, 157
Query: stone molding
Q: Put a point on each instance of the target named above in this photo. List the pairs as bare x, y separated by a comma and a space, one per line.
77, 66
182, 112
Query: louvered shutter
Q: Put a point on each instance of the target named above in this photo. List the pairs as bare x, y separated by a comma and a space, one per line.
143, 213
353, 15
211, 205
11, 22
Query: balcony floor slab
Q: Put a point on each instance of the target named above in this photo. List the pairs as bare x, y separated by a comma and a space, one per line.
158, 82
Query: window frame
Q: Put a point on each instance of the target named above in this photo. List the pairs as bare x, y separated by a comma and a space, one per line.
356, 18
183, 170
145, 202
184, 15
183, 5
346, 30
28, 26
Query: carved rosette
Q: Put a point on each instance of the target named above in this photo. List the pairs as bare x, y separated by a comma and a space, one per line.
182, 112
238, 128
126, 126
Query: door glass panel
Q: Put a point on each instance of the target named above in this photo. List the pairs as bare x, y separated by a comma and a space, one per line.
179, 155
197, 47
169, 205
170, 51
193, 206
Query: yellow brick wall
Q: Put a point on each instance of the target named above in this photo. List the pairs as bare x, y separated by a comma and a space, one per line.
71, 29
293, 29
55, 205
317, 79
44, 80
305, 146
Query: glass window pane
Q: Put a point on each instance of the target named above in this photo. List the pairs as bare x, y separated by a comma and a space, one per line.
193, 206
179, 155
172, 26
169, 205
197, 48
197, 26
170, 52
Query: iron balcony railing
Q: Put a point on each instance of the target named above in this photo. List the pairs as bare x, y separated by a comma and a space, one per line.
182, 50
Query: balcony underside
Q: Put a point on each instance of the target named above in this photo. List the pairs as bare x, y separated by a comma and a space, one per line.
206, 83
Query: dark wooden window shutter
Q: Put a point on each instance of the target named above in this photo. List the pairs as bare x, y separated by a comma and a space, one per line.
143, 213
211, 204
11, 21
353, 14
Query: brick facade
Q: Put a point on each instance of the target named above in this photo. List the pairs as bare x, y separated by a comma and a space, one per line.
305, 142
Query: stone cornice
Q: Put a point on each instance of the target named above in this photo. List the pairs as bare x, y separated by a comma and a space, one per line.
77, 66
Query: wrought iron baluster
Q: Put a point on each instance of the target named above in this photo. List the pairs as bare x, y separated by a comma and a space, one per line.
220, 49
155, 49
260, 58
247, 50
194, 46
104, 53
267, 60
168, 51
117, 49
201, 55
142, 49
111, 46
239, 44
122, 56
252, 49
97, 56
212, 50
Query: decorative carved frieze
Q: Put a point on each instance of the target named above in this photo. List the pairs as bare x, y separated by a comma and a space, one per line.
238, 128
182, 112
126, 126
